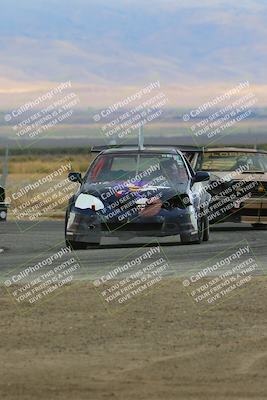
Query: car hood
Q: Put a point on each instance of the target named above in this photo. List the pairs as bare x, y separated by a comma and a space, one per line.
218, 175
108, 191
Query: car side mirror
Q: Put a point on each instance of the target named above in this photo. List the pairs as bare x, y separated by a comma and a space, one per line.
201, 176
2, 194
75, 177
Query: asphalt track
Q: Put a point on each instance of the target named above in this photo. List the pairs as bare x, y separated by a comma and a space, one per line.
24, 244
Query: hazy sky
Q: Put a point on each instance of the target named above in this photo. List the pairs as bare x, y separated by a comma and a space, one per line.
131, 42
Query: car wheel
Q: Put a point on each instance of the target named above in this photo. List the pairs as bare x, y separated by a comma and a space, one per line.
187, 239
76, 245
259, 226
66, 221
206, 233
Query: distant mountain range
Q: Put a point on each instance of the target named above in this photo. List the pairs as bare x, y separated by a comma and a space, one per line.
124, 43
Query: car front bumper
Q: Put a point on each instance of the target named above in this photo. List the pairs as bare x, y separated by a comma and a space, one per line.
250, 211
89, 227
3, 211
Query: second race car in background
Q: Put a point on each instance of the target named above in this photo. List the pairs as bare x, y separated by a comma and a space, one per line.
238, 183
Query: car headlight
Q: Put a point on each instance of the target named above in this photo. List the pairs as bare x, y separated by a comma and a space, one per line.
3, 215
85, 201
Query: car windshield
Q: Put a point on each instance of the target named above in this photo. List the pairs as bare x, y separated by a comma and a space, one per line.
231, 161
138, 168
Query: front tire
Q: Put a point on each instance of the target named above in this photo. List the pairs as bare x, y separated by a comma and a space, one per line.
261, 227
206, 233
76, 245
201, 235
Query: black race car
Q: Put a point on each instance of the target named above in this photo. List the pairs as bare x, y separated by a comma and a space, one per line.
129, 192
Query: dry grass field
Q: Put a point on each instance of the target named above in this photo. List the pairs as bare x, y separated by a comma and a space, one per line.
25, 170
161, 347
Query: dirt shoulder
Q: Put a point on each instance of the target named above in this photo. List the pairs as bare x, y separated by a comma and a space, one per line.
161, 347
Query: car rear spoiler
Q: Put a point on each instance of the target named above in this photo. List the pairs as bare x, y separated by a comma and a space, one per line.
190, 152
2, 194
183, 148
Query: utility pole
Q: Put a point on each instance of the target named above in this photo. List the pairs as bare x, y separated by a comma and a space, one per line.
5, 168
141, 138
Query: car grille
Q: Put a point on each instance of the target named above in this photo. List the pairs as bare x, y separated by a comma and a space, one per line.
250, 188
131, 226
259, 190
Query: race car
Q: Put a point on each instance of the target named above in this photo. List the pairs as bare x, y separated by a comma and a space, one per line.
129, 192
238, 184
3, 205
